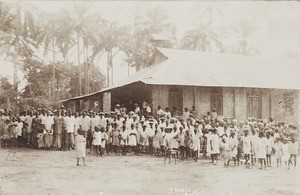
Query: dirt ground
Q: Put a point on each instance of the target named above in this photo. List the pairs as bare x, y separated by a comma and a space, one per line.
28, 171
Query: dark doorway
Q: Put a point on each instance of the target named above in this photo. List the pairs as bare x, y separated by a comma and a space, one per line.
253, 103
216, 99
175, 98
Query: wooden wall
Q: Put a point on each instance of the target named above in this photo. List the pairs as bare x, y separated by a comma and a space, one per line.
228, 101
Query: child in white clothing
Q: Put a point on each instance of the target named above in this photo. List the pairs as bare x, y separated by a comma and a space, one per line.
278, 151
261, 149
97, 138
81, 147
270, 146
285, 153
225, 150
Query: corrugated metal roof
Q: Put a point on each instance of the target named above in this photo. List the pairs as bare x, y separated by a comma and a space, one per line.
207, 69
194, 68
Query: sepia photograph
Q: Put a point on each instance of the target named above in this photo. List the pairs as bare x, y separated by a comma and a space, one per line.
170, 97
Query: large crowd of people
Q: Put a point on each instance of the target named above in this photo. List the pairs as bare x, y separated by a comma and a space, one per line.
139, 132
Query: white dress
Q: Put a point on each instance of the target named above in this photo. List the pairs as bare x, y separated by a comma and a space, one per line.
196, 141
132, 138
233, 144
144, 141
278, 150
293, 147
285, 152
261, 148
208, 148
103, 140
168, 140
215, 144
270, 145
97, 138
253, 140
80, 146
246, 145
124, 138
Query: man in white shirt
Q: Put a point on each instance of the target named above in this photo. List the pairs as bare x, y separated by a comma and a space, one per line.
117, 109
160, 112
137, 109
102, 120
85, 124
148, 109
77, 123
48, 121
70, 128
119, 120
162, 123
168, 113
94, 122
185, 114
19, 128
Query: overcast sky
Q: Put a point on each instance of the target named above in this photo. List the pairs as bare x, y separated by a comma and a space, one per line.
278, 22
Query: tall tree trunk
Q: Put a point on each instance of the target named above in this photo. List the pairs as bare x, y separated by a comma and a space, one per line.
57, 81
108, 67
112, 68
15, 57
52, 93
15, 106
79, 69
15, 74
87, 70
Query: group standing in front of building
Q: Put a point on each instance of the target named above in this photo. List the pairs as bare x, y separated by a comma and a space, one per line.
138, 132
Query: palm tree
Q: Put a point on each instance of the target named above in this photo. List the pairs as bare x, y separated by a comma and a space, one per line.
111, 36
65, 38
153, 21
18, 28
200, 38
211, 10
77, 13
243, 33
196, 39
48, 38
140, 47
90, 31
56, 36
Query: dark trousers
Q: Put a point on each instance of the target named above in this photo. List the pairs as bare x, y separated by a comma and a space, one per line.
239, 155
98, 150
187, 152
182, 151
19, 141
108, 148
64, 140
116, 148
124, 149
29, 139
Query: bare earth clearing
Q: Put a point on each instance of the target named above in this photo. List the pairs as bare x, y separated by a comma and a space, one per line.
28, 171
